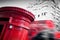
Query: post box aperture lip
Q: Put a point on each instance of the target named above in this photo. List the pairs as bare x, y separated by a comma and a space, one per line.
13, 11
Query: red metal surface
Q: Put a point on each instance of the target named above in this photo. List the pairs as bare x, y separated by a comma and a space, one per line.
18, 25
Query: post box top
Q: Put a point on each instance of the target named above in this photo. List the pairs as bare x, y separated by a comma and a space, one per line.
16, 11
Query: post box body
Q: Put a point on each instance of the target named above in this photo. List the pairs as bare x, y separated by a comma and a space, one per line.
17, 27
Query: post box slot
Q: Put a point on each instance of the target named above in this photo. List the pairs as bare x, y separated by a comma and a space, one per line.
4, 19
1, 27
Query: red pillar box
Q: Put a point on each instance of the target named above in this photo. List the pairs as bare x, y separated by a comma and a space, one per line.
18, 26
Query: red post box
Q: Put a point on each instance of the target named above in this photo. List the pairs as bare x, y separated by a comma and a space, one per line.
17, 26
